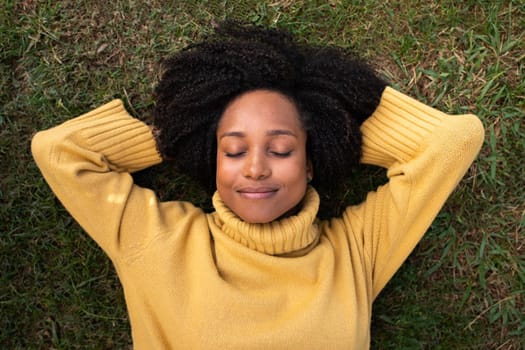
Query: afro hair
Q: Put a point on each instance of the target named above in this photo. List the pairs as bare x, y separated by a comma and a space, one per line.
333, 89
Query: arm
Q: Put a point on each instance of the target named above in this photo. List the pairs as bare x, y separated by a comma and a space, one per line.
87, 162
426, 153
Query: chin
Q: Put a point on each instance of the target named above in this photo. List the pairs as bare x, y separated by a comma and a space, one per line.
258, 219
258, 216
251, 220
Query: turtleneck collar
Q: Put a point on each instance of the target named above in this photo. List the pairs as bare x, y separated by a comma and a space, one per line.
292, 234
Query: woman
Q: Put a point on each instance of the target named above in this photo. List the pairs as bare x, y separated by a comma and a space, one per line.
266, 122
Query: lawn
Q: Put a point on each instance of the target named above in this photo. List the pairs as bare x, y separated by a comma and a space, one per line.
462, 288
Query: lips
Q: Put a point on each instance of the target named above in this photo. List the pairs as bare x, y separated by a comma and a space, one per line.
257, 192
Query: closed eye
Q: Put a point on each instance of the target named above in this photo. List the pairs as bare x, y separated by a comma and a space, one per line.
274, 153
234, 155
281, 154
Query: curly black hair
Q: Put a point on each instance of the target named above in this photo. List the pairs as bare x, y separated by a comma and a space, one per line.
333, 89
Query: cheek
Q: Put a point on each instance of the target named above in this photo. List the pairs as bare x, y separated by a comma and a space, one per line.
293, 173
226, 171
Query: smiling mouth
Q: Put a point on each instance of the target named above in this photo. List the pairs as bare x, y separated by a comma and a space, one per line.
257, 193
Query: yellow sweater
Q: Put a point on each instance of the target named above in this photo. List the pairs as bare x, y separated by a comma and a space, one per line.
210, 281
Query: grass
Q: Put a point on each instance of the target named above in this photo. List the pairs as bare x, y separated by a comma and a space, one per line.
462, 288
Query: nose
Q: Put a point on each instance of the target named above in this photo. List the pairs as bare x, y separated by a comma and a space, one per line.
256, 167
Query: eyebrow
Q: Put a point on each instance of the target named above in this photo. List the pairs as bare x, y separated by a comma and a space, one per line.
273, 132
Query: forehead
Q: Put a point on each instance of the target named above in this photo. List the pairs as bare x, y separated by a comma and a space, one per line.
261, 109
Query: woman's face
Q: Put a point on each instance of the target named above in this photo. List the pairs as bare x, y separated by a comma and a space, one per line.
262, 167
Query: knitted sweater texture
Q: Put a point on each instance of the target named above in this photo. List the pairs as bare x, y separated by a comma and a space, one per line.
211, 281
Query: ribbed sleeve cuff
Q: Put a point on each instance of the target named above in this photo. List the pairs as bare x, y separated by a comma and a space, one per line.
396, 128
126, 143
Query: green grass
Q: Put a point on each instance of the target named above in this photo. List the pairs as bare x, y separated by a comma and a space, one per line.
462, 288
